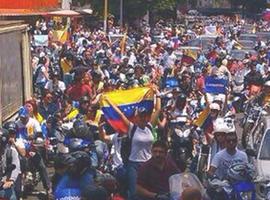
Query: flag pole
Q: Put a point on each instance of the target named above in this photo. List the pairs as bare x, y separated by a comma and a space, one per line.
105, 15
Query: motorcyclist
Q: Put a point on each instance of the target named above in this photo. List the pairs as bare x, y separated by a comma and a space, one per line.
220, 131
78, 175
226, 157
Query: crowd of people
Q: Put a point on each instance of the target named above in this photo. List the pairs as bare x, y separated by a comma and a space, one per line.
91, 159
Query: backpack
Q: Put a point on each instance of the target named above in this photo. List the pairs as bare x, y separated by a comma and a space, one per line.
8, 162
126, 144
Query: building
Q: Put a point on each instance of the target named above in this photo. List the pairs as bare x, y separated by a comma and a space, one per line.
213, 4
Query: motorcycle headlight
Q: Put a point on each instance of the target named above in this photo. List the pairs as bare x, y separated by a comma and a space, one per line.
246, 195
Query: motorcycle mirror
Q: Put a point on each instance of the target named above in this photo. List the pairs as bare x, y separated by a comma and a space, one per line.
251, 152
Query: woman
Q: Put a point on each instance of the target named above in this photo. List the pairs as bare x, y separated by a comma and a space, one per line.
31, 106
142, 139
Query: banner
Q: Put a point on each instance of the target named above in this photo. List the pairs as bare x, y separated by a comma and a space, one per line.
41, 40
215, 85
210, 30
60, 36
171, 82
127, 101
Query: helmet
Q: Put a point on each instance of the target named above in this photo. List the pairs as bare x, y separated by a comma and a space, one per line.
81, 163
3, 137
214, 106
220, 126
267, 83
11, 126
80, 128
241, 172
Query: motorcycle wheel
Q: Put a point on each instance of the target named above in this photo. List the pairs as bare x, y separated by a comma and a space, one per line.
202, 165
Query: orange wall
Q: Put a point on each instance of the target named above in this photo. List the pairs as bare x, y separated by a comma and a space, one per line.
28, 4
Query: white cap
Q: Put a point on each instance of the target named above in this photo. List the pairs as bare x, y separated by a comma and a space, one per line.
214, 106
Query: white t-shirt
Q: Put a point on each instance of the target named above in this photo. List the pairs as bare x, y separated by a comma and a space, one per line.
50, 86
32, 127
116, 150
223, 160
141, 144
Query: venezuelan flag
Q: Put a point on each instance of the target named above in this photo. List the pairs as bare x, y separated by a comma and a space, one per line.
189, 57
204, 119
127, 101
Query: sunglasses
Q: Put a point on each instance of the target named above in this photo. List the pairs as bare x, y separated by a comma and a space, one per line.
231, 141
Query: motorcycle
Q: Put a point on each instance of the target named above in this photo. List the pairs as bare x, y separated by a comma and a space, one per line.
250, 126
238, 185
70, 194
179, 182
240, 190
182, 145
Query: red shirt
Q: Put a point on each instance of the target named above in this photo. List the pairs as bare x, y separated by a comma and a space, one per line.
79, 90
200, 83
155, 180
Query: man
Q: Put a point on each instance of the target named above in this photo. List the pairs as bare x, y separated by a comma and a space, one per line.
54, 83
28, 129
226, 157
10, 166
153, 176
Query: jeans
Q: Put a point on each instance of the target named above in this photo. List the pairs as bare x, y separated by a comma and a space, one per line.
37, 162
68, 78
8, 193
132, 172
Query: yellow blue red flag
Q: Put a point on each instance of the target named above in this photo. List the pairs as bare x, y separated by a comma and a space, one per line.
127, 101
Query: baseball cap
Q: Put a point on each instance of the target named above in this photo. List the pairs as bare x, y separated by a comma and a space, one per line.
23, 112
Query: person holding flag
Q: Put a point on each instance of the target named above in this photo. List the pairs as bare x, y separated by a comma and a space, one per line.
140, 134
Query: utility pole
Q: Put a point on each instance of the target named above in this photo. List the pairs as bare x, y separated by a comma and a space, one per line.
105, 15
121, 14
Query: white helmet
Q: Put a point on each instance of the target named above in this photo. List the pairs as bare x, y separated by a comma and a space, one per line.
267, 83
214, 106
220, 126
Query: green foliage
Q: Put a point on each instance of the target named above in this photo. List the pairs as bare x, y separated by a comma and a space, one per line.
134, 9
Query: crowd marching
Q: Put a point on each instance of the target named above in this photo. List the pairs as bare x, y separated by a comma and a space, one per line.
143, 116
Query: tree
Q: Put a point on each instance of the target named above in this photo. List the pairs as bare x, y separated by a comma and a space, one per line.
134, 9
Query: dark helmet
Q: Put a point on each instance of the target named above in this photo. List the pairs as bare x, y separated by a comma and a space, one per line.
55, 73
11, 127
80, 128
64, 160
81, 163
181, 98
84, 99
3, 137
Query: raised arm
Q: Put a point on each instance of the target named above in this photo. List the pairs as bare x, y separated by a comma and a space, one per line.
157, 108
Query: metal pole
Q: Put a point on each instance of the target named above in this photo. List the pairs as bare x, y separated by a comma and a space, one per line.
105, 15
121, 14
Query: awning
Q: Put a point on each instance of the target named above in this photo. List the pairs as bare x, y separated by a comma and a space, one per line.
21, 12
85, 11
64, 13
